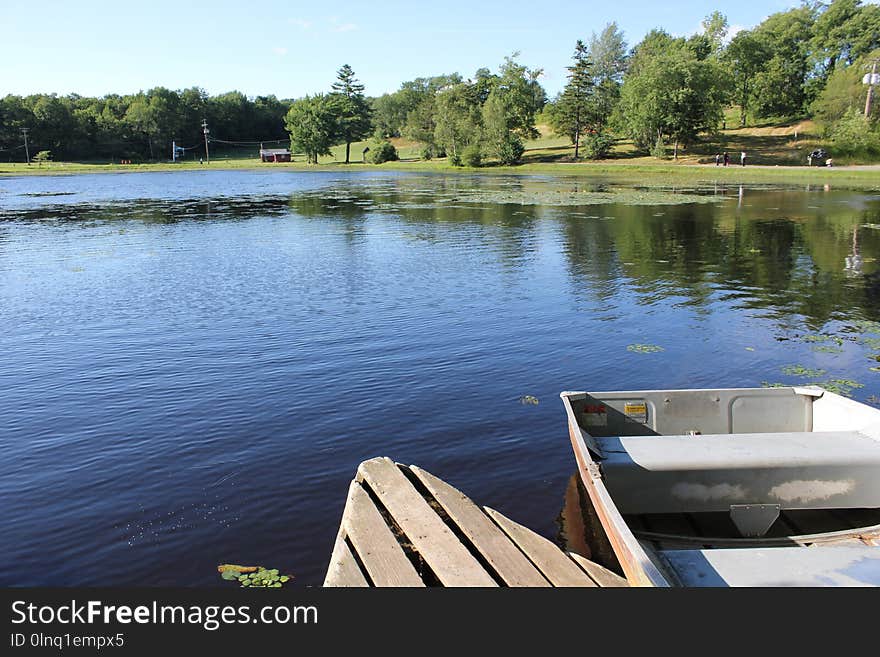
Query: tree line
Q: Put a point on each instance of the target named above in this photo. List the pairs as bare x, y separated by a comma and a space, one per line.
136, 126
666, 92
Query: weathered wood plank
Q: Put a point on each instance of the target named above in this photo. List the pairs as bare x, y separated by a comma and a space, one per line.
375, 543
492, 543
550, 560
602, 576
447, 556
343, 569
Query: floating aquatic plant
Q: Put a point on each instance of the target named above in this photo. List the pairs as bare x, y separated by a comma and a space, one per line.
800, 370
822, 337
644, 348
866, 326
827, 349
253, 576
767, 384
840, 386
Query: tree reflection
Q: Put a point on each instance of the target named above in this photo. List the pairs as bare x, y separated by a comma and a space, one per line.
789, 253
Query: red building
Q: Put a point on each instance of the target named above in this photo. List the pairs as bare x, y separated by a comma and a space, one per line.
274, 155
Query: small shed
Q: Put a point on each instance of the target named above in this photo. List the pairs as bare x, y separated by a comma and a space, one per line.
274, 155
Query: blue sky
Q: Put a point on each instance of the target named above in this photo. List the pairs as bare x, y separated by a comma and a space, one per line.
260, 47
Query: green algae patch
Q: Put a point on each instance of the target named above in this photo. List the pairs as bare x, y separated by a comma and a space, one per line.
567, 198
644, 348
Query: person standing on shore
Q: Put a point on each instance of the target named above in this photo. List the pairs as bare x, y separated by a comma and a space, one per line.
726, 158
742, 158
717, 159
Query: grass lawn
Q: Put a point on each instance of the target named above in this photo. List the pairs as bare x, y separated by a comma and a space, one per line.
776, 152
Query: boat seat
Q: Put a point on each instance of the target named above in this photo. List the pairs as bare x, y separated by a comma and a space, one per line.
690, 474
826, 565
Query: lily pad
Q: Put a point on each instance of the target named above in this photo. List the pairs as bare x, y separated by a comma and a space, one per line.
827, 349
800, 370
254, 576
842, 387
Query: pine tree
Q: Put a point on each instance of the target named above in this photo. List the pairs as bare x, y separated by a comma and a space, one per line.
570, 115
352, 108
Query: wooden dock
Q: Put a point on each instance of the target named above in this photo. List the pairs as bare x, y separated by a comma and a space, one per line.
402, 526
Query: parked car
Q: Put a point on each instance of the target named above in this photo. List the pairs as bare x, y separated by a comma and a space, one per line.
817, 157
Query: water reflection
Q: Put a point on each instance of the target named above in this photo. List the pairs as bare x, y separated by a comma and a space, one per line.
286, 326
779, 251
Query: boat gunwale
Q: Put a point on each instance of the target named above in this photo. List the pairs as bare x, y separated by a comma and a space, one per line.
638, 567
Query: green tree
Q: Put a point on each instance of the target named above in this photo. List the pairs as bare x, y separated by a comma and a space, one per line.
311, 123
389, 115
745, 56
780, 87
500, 139
570, 112
715, 28
351, 107
844, 93
608, 54
419, 97
671, 96
508, 113
609, 58
844, 31
458, 119
142, 118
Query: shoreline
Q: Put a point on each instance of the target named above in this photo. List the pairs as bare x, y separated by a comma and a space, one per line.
856, 176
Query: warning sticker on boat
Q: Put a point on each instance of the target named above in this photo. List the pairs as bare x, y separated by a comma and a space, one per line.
636, 412
595, 415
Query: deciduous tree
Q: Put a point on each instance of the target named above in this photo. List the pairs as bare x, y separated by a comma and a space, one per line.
311, 123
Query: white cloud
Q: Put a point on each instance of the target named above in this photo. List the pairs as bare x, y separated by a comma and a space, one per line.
280, 51
300, 23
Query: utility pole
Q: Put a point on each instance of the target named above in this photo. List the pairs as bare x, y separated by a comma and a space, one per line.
871, 81
27, 153
173, 150
206, 131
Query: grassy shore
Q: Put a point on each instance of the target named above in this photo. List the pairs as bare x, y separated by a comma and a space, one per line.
636, 172
776, 154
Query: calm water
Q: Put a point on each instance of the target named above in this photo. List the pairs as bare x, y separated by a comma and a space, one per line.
193, 364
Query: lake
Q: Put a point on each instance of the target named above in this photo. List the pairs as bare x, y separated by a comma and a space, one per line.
194, 363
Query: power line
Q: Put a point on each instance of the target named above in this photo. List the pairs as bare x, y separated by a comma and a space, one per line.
248, 143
